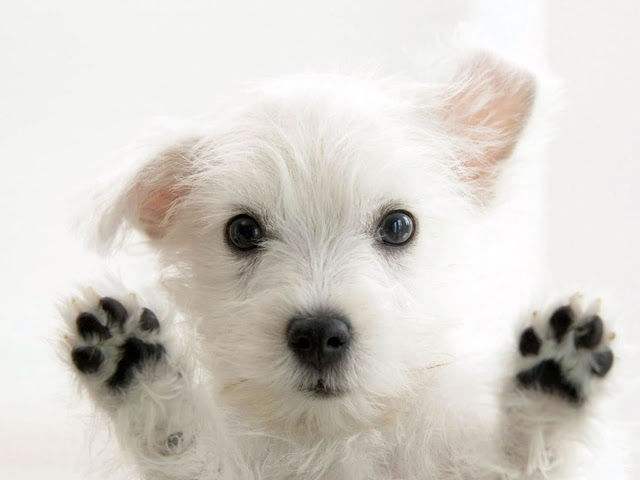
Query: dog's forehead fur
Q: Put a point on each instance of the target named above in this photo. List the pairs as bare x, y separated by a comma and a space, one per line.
323, 149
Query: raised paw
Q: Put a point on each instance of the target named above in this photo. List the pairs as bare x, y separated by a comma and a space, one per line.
113, 345
562, 356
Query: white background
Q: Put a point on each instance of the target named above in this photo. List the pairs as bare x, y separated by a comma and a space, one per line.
80, 81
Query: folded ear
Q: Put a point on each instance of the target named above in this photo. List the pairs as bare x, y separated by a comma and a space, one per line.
487, 106
151, 198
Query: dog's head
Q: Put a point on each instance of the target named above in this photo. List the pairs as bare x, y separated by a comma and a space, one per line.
311, 231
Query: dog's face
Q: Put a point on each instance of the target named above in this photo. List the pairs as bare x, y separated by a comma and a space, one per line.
311, 231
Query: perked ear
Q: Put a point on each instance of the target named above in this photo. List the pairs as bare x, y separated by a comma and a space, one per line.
487, 107
151, 198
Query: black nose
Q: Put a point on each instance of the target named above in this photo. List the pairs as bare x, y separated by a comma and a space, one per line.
319, 340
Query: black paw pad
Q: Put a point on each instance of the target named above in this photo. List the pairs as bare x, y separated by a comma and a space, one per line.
174, 440
149, 321
90, 327
589, 335
529, 342
135, 353
560, 322
115, 311
547, 376
87, 359
602, 362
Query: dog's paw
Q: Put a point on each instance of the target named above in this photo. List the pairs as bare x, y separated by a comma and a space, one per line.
566, 353
114, 343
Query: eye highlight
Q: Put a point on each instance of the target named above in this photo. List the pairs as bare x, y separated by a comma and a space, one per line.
395, 229
244, 232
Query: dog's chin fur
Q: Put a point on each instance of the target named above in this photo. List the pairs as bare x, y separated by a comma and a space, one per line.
318, 160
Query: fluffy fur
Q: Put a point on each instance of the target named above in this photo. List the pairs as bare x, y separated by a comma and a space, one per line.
429, 386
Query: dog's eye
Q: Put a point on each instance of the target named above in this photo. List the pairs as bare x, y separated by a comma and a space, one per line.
395, 229
244, 232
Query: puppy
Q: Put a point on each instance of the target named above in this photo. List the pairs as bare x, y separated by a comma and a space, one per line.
341, 267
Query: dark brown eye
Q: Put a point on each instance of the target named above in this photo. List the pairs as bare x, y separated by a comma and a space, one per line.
244, 232
395, 229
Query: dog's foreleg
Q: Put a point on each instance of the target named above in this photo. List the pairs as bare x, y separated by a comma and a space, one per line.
127, 355
563, 357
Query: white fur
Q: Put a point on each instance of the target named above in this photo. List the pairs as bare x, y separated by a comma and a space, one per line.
430, 379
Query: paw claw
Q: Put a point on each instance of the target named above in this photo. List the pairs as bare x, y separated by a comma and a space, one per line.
91, 291
596, 306
76, 306
576, 299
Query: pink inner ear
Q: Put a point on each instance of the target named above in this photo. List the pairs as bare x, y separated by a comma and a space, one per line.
490, 108
159, 187
155, 207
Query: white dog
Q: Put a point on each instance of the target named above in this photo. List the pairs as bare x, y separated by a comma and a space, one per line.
341, 248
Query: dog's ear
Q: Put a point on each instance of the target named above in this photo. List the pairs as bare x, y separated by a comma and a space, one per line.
151, 197
486, 107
